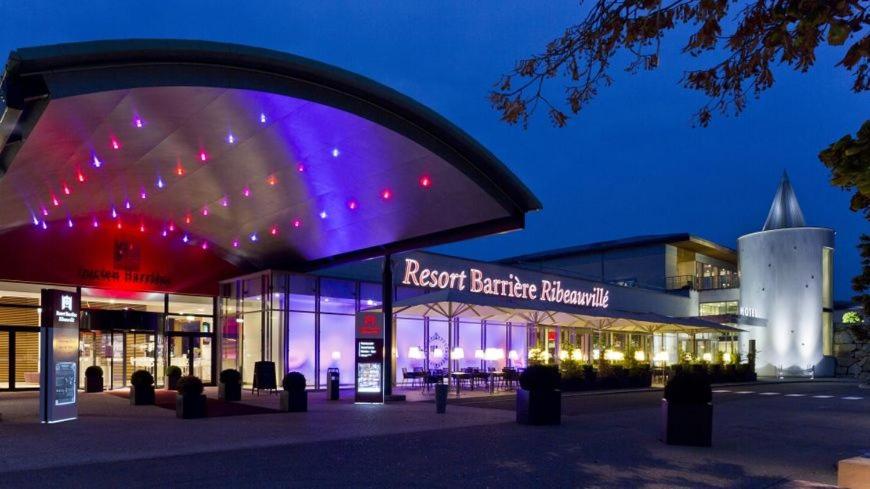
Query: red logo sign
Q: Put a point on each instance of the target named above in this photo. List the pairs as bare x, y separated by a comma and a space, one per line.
370, 325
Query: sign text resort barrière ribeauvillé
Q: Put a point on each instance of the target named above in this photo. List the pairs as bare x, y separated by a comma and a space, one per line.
477, 282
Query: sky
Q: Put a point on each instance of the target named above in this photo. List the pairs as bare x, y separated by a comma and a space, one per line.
630, 164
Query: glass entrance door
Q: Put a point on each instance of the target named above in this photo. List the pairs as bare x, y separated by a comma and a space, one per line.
192, 353
19, 358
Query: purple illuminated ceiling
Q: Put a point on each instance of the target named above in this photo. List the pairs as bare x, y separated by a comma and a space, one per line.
260, 174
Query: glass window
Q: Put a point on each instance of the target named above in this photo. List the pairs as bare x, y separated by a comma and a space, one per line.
496, 341
190, 305
300, 351
189, 323
409, 345
337, 296
337, 339
717, 308
302, 292
469, 341
26, 359
370, 295
252, 344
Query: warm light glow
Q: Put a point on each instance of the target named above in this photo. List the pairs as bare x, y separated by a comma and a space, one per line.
80, 176
576, 355
438, 353
513, 355
661, 356
115, 144
458, 353
246, 192
272, 180
639, 356
415, 353
205, 211
179, 170
54, 201
707, 357
614, 356
274, 231
726, 357
171, 227
187, 219
479, 354
493, 354
95, 223
202, 156
336, 355
204, 245
563, 354
66, 190
141, 228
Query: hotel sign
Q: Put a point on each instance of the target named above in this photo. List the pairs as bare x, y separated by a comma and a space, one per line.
478, 281
59, 354
369, 353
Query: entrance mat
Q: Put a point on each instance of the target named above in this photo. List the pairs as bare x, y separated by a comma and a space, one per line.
216, 408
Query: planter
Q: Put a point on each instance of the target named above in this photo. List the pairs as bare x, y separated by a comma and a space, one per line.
171, 383
230, 392
687, 424
190, 406
539, 407
93, 384
441, 398
141, 396
294, 401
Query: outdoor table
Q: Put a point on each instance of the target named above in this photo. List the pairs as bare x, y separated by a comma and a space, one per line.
493, 376
457, 378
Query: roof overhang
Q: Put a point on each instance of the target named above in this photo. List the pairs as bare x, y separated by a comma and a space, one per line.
220, 143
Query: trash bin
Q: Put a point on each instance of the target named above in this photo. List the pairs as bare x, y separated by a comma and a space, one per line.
441, 398
332, 382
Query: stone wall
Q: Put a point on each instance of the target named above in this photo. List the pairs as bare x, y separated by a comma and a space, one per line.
853, 355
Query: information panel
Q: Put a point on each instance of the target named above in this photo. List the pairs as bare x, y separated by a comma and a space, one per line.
59, 354
369, 357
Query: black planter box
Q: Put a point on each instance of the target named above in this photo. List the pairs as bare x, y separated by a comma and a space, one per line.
171, 383
294, 402
687, 424
93, 384
141, 396
539, 407
230, 392
190, 406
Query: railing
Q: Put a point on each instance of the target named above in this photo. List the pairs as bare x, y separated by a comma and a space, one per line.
702, 283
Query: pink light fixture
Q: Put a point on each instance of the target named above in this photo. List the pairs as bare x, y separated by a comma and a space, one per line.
300, 167
127, 204
297, 223
54, 201
425, 181
204, 245
352, 204
225, 201
96, 162
142, 194
202, 156
115, 144
274, 231
80, 176
95, 223
187, 219
69, 222
171, 227
262, 118
386, 194
205, 211
246, 192
138, 122
235, 243
114, 213
66, 190
185, 239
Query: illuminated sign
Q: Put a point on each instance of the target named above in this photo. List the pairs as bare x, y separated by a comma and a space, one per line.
478, 281
59, 354
369, 357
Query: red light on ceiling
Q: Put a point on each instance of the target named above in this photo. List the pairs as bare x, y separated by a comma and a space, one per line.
352, 204
204, 245
95, 223
205, 211
235, 243
274, 231
80, 177
45, 212
202, 156
272, 180
300, 168
187, 219
425, 181
171, 227
116, 144
297, 223
179, 170
119, 224
141, 228
246, 192
66, 189
54, 201
386, 194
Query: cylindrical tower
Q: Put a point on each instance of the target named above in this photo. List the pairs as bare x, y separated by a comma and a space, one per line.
786, 281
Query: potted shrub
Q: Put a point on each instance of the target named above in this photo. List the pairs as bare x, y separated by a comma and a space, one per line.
230, 387
539, 400
141, 388
294, 398
190, 402
173, 373
687, 410
93, 379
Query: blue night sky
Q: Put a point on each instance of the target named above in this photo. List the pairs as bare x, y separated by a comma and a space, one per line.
631, 164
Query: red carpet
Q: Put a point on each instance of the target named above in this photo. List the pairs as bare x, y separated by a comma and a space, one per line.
216, 408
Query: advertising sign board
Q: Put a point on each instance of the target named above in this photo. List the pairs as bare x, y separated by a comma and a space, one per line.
59, 353
369, 354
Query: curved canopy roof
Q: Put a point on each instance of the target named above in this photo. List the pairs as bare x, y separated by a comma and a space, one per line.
270, 159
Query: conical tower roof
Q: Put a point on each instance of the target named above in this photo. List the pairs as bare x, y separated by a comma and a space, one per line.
785, 212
